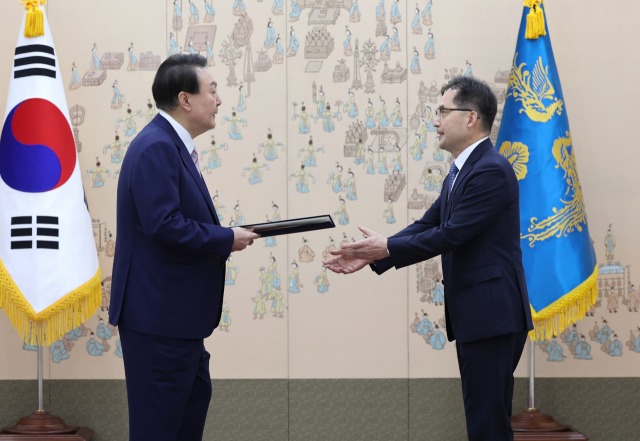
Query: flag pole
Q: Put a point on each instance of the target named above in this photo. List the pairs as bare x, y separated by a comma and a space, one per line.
532, 374
40, 388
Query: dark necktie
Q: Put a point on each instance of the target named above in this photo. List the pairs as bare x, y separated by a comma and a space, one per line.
452, 176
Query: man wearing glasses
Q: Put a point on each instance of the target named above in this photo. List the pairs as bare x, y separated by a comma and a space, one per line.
475, 226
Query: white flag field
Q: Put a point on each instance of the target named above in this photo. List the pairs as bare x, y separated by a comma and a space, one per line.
49, 272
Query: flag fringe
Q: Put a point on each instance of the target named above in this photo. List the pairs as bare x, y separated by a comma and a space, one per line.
51, 324
568, 309
535, 20
34, 25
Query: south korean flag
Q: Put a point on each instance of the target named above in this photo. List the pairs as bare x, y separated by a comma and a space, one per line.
49, 273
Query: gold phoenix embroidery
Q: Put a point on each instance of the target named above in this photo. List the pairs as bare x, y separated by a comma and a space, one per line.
518, 156
532, 89
573, 214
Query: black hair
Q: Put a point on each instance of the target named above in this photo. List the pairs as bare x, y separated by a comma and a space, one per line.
477, 95
176, 74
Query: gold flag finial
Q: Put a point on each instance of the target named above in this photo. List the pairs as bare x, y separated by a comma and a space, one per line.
535, 20
34, 26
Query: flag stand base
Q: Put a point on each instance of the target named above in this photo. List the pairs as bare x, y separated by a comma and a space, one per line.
42, 426
533, 425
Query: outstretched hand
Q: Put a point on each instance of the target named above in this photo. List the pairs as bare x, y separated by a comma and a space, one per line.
374, 247
340, 265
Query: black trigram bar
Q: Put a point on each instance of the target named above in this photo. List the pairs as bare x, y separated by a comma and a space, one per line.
21, 245
34, 60
48, 244
21, 220
52, 232
34, 48
34, 72
52, 220
21, 232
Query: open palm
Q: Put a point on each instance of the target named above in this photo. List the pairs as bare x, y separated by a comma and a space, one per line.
343, 266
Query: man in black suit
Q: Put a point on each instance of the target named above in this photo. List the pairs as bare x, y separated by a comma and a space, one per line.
475, 226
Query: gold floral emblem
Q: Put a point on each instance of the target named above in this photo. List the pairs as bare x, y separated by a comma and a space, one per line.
573, 214
518, 156
534, 91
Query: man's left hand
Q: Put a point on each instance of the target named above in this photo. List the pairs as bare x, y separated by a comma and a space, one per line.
372, 248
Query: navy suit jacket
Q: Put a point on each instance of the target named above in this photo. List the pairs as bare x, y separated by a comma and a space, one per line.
169, 264
477, 232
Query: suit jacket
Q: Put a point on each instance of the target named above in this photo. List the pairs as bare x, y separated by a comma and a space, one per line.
477, 232
169, 264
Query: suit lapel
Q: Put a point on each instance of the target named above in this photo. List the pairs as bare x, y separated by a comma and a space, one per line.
466, 169
188, 162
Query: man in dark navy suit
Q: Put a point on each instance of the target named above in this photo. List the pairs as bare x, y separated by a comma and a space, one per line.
169, 265
475, 226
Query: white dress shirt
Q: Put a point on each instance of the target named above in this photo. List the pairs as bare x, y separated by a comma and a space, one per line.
462, 158
181, 131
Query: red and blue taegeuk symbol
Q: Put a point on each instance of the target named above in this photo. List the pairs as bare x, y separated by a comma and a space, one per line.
37, 149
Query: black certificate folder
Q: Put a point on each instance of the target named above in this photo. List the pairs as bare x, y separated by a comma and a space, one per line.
292, 226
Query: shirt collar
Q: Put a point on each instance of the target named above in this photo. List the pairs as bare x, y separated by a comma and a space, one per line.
181, 131
462, 157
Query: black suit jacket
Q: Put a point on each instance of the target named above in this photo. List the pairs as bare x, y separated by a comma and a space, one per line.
477, 232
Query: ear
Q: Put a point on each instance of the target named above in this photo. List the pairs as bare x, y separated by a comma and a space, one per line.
473, 119
183, 101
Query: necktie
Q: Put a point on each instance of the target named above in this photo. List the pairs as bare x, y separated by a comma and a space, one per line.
452, 176
194, 156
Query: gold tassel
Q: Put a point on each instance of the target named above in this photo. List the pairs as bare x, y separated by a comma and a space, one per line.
568, 309
34, 26
51, 324
535, 20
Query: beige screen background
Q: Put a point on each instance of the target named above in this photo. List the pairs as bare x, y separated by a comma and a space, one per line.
364, 325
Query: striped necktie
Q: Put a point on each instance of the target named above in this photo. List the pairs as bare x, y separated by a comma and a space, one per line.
452, 176
194, 156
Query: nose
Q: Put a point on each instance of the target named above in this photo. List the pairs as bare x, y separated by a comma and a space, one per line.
437, 121
218, 100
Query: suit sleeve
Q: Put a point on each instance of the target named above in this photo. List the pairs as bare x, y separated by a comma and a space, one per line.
431, 219
155, 188
485, 197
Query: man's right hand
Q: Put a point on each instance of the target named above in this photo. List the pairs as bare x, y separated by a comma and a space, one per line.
242, 238
341, 265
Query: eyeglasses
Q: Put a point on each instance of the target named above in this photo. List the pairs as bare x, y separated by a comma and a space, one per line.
441, 111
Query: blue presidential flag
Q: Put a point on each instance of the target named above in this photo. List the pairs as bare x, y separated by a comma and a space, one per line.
558, 254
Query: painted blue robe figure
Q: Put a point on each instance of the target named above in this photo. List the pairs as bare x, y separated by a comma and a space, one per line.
211, 12
350, 185
95, 61
238, 7
438, 294
117, 99
351, 107
416, 150
28, 347
415, 63
396, 116
239, 216
425, 326
218, 206
438, 183
234, 126
322, 281
380, 12
383, 168
615, 349
394, 43
429, 181
271, 36
370, 115
173, 45
396, 162
304, 126
328, 116
294, 283
348, 50
426, 14
555, 352
133, 60
74, 334
270, 242
469, 71
130, 126
336, 180
583, 351
103, 332
341, 214
192, 51
320, 108
388, 214
437, 340
215, 160
395, 16
302, 183
294, 44
354, 12
278, 55
76, 82
295, 11
118, 351
416, 25
360, 154
277, 7
255, 174
231, 272
636, 344
437, 151
270, 148
430, 48
242, 100
369, 163
95, 348
573, 337
604, 334
210, 61
274, 277
385, 50
382, 115
58, 352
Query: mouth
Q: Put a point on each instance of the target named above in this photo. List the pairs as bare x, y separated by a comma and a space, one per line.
440, 136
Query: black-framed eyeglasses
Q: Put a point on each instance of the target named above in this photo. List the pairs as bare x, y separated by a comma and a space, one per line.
441, 111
